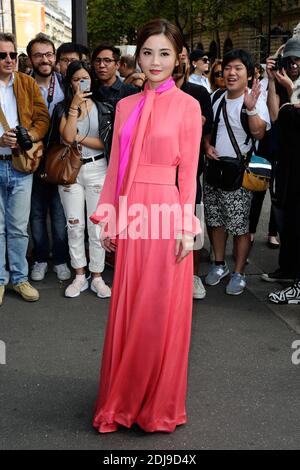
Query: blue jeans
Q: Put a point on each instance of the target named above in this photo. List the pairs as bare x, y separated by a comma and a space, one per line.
15, 194
45, 198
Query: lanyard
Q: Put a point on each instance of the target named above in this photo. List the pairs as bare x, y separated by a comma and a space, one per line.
51, 90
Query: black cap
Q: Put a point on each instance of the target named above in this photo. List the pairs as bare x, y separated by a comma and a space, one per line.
196, 55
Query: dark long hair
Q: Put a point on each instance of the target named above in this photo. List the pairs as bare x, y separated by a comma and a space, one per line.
159, 26
69, 93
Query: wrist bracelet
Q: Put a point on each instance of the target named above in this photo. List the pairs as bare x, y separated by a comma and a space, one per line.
72, 114
74, 109
251, 113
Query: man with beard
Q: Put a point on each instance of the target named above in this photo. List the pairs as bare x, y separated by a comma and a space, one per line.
45, 197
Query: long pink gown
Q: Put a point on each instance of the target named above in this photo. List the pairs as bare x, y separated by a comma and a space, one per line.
145, 356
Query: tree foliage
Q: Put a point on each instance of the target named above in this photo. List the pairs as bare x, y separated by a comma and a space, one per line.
118, 21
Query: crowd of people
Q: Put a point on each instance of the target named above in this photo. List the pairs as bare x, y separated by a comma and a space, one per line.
113, 77
148, 127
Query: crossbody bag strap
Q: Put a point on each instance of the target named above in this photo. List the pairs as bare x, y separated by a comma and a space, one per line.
3, 120
216, 123
231, 134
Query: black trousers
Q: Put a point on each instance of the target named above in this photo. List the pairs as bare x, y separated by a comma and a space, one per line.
288, 220
256, 206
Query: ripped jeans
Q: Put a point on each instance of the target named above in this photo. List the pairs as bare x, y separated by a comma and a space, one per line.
86, 190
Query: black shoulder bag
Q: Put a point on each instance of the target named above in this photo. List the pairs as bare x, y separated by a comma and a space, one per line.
227, 172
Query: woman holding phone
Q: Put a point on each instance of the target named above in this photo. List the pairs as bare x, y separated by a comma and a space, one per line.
157, 133
81, 120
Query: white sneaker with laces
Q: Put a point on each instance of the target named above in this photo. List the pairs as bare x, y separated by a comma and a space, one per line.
199, 291
100, 288
38, 271
62, 271
79, 284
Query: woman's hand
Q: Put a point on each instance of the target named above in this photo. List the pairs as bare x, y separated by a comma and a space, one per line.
184, 246
284, 80
108, 244
80, 97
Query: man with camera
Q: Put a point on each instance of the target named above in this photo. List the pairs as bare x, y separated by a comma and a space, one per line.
283, 73
21, 105
45, 197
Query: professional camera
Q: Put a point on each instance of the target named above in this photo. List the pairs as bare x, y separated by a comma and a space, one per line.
23, 138
280, 63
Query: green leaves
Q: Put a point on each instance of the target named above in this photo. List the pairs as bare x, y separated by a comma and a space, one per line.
117, 21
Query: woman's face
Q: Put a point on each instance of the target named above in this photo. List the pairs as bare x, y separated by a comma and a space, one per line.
218, 76
79, 75
157, 59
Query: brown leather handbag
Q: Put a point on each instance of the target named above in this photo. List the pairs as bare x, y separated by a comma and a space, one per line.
62, 163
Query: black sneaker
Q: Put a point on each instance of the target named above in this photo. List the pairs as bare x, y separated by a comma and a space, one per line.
290, 295
277, 276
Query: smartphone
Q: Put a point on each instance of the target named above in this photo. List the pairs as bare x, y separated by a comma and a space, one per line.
84, 85
279, 63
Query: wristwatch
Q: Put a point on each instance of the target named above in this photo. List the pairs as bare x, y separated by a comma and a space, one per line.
251, 113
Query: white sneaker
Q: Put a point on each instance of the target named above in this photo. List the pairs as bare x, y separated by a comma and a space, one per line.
79, 284
62, 271
38, 271
100, 288
199, 291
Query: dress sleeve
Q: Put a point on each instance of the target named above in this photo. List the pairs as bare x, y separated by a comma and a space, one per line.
107, 197
189, 145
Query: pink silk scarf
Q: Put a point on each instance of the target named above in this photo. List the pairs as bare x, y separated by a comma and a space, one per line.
131, 124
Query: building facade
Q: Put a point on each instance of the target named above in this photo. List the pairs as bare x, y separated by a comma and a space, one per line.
35, 16
255, 40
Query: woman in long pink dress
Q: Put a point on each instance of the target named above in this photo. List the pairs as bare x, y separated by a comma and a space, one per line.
151, 223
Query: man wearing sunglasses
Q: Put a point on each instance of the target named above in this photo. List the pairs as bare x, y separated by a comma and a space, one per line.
45, 198
199, 65
21, 104
108, 87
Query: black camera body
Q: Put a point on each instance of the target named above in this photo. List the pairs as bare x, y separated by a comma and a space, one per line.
280, 63
23, 138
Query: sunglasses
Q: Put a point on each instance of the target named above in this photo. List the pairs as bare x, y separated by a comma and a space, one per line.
204, 59
12, 55
218, 74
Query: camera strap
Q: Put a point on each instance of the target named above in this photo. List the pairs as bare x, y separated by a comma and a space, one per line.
3, 120
51, 90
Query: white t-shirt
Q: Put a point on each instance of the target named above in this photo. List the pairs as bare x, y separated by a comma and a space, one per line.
9, 108
233, 107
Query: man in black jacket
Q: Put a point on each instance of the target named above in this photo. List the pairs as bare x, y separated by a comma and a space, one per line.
107, 85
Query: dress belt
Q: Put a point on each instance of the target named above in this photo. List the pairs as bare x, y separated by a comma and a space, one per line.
92, 159
156, 174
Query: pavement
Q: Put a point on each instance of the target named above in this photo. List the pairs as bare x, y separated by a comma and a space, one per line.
243, 386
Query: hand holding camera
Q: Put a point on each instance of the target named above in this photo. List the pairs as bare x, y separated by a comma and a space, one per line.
9, 139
